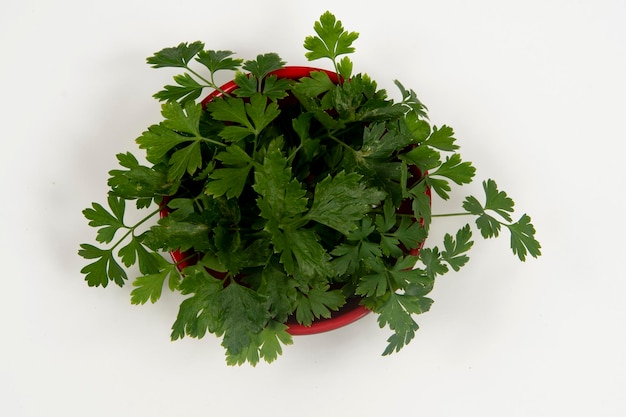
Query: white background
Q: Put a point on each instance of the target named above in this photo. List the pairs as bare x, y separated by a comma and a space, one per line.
535, 91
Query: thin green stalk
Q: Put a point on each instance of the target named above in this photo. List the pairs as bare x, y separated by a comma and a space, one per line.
450, 214
210, 83
254, 145
341, 143
215, 86
212, 141
199, 76
293, 154
132, 228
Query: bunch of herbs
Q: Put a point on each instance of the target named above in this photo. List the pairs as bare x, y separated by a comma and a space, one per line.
289, 197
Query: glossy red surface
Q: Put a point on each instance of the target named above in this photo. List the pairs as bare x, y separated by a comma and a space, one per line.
351, 311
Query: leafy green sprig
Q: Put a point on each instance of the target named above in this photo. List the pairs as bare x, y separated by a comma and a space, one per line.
332, 41
286, 211
188, 88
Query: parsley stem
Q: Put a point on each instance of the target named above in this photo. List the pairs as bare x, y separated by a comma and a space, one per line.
210, 83
212, 141
293, 154
450, 214
135, 226
254, 145
215, 86
337, 71
201, 77
340, 142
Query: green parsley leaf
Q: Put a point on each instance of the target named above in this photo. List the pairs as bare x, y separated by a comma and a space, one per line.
232, 180
497, 200
317, 303
358, 100
281, 195
349, 256
456, 170
264, 345
423, 157
251, 117
396, 313
406, 276
230, 109
109, 223
442, 139
229, 249
170, 234
227, 181
271, 86
344, 68
264, 64
234, 156
301, 247
177, 57
409, 233
185, 160
202, 311
232, 133
409, 99
317, 83
281, 201
421, 203
379, 143
245, 315
454, 253
473, 206
523, 240
139, 181
275, 88
181, 124
104, 269
332, 39
179, 118
432, 260
489, 226
375, 110
186, 90
280, 291
248, 84
388, 220
149, 287
341, 201
419, 129
261, 112
451, 169
158, 140
134, 252
218, 60
271, 338
439, 185
374, 284
181, 208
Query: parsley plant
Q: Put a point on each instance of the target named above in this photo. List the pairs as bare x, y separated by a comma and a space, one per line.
288, 198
